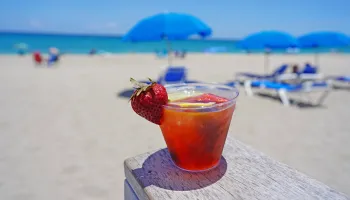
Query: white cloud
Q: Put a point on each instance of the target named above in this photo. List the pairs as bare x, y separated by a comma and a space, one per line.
111, 25
35, 23
106, 27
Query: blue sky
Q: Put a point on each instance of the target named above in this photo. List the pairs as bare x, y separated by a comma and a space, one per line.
228, 18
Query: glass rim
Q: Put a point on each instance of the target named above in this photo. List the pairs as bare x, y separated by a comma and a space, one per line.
230, 100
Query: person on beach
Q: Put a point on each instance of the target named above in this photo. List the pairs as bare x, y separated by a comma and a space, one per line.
92, 52
37, 58
21, 48
295, 69
53, 56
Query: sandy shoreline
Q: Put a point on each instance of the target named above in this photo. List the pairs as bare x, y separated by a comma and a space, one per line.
65, 131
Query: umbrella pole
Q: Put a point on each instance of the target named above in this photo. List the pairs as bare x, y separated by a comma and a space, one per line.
169, 52
316, 59
266, 63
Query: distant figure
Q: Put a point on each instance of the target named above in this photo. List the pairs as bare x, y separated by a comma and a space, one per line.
92, 52
53, 56
21, 48
161, 54
294, 79
177, 53
295, 69
183, 53
180, 53
267, 50
21, 52
37, 58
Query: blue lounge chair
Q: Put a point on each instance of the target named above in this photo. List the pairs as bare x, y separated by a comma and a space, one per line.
53, 58
173, 75
231, 83
309, 72
344, 79
339, 81
283, 89
275, 74
309, 69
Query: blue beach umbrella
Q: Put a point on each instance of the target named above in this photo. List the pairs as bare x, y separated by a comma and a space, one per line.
324, 39
268, 40
167, 26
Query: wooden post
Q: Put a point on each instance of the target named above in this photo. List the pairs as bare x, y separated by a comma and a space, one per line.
243, 173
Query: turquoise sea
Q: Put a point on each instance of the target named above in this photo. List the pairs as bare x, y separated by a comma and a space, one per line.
82, 44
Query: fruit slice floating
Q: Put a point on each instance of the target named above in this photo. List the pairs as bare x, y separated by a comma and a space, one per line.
204, 98
191, 105
180, 96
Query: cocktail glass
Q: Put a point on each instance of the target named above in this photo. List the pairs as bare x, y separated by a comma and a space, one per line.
196, 135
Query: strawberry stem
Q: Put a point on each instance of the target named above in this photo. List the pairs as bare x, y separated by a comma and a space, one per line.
137, 84
140, 87
151, 80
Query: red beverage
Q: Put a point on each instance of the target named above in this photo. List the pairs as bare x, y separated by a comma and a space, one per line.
195, 126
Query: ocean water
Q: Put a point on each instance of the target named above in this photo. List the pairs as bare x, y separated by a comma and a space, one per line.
82, 44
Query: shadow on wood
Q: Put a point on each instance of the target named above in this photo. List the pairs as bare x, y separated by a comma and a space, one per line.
125, 93
159, 170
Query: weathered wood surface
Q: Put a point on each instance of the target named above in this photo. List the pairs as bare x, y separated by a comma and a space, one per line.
242, 174
129, 193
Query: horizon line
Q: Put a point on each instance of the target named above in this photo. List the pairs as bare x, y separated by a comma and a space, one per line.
89, 34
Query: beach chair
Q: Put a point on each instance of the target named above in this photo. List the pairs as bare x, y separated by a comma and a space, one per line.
345, 79
241, 77
309, 72
173, 75
37, 58
231, 83
53, 59
339, 81
284, 90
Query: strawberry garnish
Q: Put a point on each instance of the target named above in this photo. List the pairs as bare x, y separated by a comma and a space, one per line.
148, 100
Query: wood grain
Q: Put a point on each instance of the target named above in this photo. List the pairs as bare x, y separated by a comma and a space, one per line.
243, 173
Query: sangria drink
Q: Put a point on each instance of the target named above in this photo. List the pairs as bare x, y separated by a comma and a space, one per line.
195, 123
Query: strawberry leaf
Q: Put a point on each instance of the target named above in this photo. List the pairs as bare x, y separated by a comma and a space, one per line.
139, 92
150, 80
132, 96
133, 81
136, 83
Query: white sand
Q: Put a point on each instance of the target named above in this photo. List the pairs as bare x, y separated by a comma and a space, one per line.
64, 132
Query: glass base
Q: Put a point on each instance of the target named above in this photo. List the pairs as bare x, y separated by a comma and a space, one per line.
193, 171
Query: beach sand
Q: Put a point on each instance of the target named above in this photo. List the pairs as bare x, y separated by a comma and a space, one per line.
65, 131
